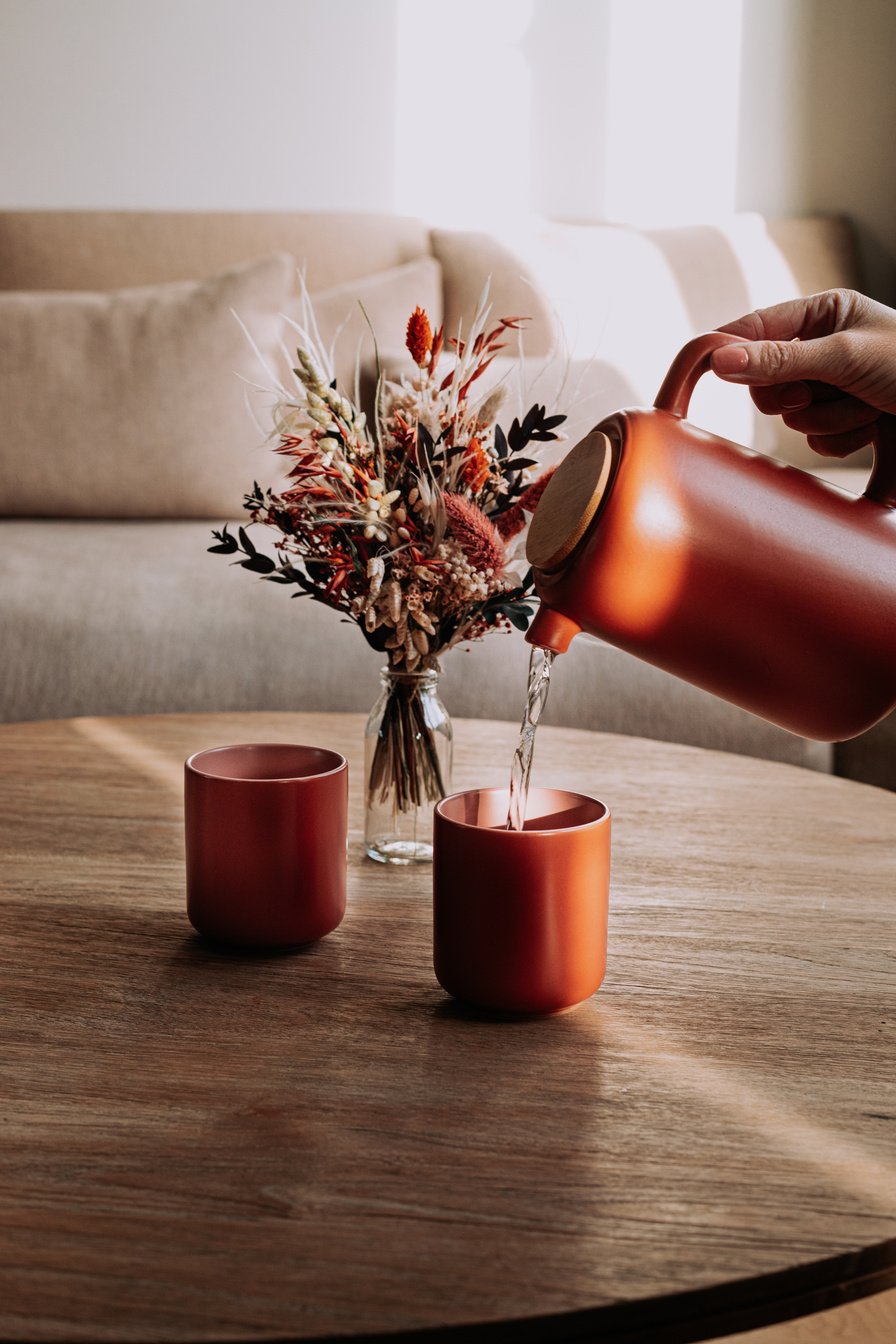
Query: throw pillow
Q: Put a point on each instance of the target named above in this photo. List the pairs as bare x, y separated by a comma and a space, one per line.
133, 403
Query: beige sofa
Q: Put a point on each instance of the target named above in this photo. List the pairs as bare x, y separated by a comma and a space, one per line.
126, 437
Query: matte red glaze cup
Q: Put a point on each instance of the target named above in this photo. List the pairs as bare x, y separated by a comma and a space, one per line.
266, 827
520, 917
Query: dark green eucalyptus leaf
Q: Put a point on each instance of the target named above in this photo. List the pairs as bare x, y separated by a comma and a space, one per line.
501, 447
284, 521
531, 419
245, 542
425, 442
259, 564
227, 543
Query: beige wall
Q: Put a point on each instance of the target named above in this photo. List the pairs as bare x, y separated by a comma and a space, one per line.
780, 106
818, 117
197, 103
464, 112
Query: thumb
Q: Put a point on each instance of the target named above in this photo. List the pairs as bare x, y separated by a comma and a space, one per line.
767, 362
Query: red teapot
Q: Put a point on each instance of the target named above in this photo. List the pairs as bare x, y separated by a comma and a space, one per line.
754, 580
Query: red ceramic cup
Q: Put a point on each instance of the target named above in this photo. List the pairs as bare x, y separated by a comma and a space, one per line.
266, 826
520, 917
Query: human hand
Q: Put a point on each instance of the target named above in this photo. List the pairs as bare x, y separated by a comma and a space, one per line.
826, 364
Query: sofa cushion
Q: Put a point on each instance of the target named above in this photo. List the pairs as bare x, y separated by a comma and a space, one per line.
132, 403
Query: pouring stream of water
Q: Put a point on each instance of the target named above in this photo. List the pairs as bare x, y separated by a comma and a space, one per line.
540, 663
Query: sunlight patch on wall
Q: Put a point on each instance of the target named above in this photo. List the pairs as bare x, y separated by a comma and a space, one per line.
672, 127
463, 112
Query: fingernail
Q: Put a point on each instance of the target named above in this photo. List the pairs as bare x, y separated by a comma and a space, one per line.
795, 398
730, 359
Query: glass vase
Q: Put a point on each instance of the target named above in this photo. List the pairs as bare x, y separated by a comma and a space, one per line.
407, 766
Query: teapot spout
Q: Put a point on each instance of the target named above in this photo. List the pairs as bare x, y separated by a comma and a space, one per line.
550, 629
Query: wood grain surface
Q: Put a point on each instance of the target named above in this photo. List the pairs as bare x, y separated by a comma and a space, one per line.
202, 1145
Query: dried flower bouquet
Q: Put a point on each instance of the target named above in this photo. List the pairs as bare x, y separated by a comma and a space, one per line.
411, 527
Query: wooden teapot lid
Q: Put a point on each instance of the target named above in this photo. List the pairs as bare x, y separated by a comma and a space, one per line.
570, 501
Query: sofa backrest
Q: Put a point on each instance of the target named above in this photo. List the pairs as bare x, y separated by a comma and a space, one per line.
631, 298
115, 249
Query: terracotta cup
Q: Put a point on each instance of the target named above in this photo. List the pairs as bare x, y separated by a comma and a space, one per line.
266, 826
520, 917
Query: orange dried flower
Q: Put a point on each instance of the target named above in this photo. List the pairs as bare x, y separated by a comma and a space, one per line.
475, 534
437, 343
419, 337
476, 466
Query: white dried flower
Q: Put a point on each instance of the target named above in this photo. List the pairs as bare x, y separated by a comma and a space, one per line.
376, 569
412, 657
309, 372
320, 416
393, 596
488, 411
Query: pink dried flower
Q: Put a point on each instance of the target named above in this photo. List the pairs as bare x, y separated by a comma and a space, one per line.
476, 536
513, 520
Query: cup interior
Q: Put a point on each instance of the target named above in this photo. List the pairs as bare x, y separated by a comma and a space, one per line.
265, 761
547, 809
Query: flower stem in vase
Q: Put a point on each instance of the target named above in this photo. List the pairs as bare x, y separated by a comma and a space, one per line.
408, 766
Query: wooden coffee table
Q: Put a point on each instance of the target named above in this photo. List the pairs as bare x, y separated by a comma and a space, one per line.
196, 1145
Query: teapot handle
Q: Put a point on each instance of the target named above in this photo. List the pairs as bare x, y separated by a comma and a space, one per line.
882, 485
687, 368
692, 361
